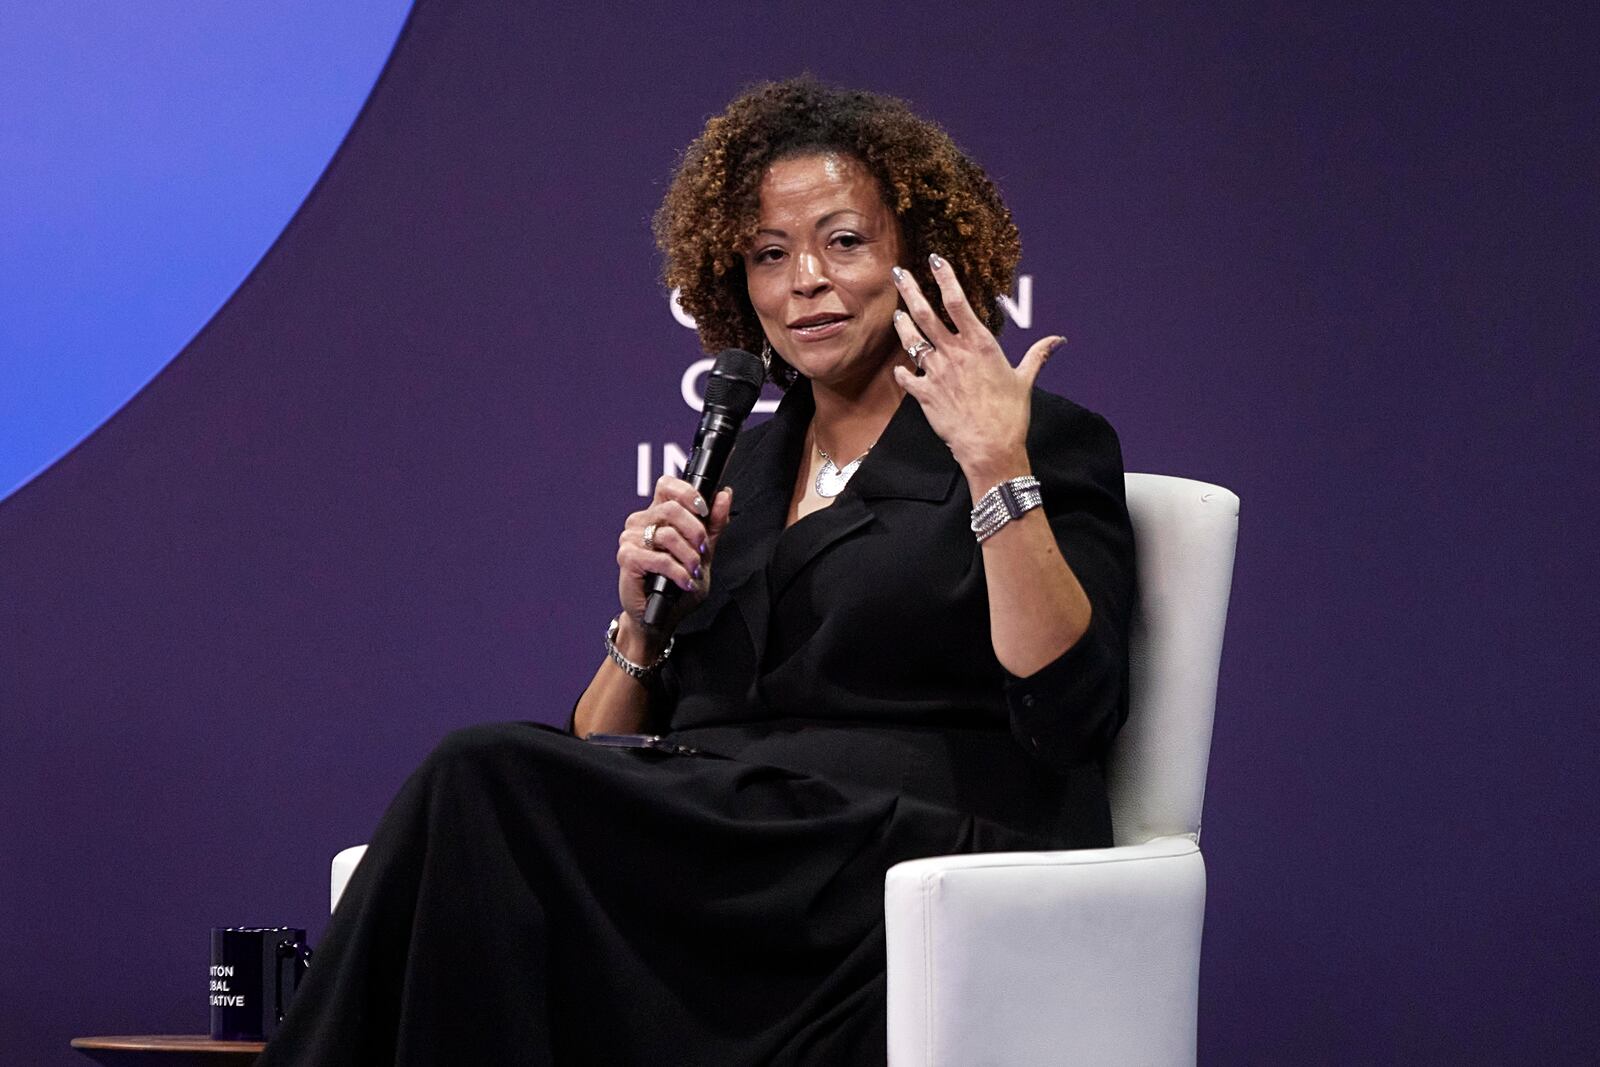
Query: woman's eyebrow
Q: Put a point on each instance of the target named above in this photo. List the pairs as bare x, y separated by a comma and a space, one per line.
830, 216
823, 221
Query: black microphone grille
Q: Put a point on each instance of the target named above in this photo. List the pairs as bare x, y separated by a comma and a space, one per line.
735, 382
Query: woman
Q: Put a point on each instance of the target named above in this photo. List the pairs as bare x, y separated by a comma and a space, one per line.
865, 667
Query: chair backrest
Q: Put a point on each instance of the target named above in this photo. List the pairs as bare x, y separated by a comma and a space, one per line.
1184, 535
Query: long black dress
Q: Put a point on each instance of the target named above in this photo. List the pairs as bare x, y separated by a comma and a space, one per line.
533, 899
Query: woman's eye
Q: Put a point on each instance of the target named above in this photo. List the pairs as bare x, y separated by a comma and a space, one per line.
769, 255
847, 240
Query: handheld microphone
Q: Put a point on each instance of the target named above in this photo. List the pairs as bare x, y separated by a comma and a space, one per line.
731, 392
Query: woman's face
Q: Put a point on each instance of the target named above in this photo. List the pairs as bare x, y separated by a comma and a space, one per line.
819, 270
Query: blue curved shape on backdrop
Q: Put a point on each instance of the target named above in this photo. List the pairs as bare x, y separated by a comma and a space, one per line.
150, 154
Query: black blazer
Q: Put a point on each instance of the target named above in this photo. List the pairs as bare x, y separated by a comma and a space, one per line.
855, 643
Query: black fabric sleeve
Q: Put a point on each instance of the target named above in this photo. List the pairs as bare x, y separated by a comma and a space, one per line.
1068, 711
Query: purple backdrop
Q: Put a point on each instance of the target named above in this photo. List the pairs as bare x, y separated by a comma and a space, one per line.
1342, 262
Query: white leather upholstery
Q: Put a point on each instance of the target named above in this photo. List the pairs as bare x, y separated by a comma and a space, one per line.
344, 865
1089, 957
1019, 958
1184, 532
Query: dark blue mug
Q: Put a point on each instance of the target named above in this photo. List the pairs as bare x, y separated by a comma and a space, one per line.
254, 973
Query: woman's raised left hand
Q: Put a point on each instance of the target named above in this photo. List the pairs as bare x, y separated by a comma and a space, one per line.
974, 399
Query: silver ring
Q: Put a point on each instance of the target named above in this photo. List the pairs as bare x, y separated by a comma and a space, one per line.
919, 351
648, 538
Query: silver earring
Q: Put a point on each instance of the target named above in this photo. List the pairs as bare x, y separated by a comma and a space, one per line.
766, 354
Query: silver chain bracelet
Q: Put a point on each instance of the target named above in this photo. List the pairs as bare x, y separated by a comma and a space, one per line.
630, 668
1009, 500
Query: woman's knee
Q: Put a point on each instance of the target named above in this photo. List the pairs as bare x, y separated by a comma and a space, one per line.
478, 748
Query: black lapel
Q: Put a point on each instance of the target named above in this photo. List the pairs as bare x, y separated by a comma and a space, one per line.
762, 475
909, 462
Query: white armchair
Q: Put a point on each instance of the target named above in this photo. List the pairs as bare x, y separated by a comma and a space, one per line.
1091, 956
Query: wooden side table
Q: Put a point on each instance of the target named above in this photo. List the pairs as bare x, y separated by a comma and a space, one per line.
168, 1050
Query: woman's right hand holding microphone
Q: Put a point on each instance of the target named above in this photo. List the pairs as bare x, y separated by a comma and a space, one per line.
674, 536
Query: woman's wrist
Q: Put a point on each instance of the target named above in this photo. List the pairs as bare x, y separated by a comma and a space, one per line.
984, 475
637, 643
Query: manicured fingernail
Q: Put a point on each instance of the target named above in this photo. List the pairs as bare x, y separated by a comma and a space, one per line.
688, 587
898, 314
702, 549
700, 507
899, 275
697, 570
936, 261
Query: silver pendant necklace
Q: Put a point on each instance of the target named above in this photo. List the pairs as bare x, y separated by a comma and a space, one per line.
831, 478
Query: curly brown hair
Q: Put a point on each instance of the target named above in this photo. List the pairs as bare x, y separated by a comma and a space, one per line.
943, 201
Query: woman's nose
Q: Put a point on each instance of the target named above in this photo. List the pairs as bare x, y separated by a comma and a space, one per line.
809, 277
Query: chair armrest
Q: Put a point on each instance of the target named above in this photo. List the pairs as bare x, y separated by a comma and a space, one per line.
344, 865
1019, 958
